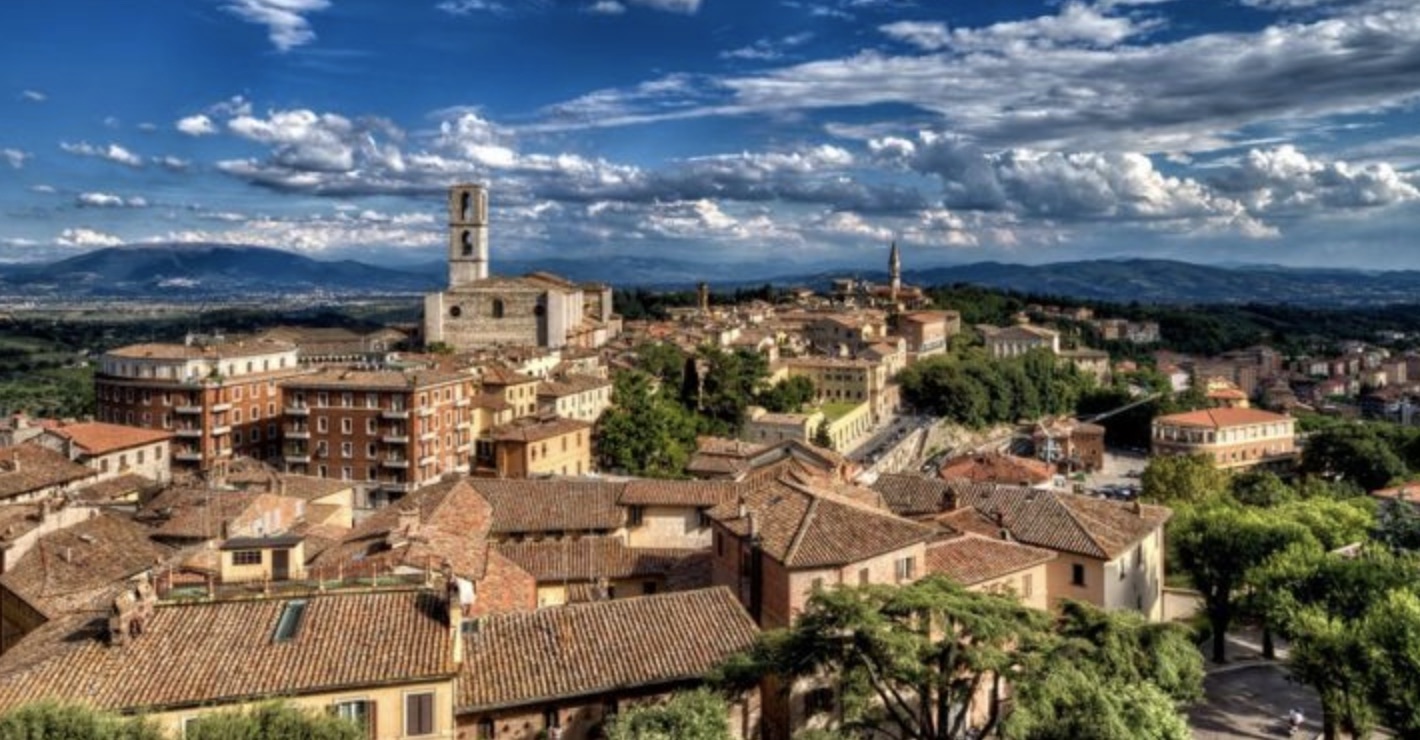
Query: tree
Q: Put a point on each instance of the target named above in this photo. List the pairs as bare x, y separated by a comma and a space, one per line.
1354, 452
821, 436
1324, 603
1216, 547
1261, 488
909, 658
49, 719
272, 721
1334, 523
787, 396
1392, 642
644, 433
1183, 479
694, 715
661, 360
729, 385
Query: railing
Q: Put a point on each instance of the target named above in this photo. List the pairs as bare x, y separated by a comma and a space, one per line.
394, 414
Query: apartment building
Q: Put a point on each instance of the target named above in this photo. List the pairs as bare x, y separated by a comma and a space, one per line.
579, 397
927, 332
1233, 438
220, 398
111, 450
1014, 341
392, 431
528, 448
842, 380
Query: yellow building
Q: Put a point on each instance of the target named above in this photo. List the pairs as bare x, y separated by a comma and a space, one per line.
528, 448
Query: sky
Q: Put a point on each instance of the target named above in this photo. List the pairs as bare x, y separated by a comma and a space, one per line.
776, 134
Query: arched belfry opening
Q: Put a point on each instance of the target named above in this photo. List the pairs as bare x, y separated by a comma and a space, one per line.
466, 207
498, 308
467, 239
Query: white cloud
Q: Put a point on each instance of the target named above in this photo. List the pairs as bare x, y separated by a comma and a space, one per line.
606, 7
926, 35
172, 164
49, 189
302, 139
34, 96
1284, 179
112, 153
465, 7
14, 157
108, 200
285, 20
85, 237
768, 49
197, 125
673, 6
318, 234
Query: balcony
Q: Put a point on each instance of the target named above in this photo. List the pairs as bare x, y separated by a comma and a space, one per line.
399, 463
298, 410
393, 487
300, 458
463, 402
225, 452
428, 436
218, 431
396, 438
298, 433
188, 409
394, 414
187, 456
426, 411
427, 460
189, 432
218, 408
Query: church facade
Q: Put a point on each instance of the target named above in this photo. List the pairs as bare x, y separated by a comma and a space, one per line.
479, 310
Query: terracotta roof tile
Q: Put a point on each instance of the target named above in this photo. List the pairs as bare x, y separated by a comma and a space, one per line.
970, 559
530, 506
992, 467
533, 430
591, 558
219, 652
72, 568
1222, 417
1065, 522
646, 491
99, 438
586, 649
115, 488
232, 348
445, 522
29, 468
914, 495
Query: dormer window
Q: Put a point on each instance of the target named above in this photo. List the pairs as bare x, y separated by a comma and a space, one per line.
290, 621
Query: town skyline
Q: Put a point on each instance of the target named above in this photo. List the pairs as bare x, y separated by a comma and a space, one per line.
806, 134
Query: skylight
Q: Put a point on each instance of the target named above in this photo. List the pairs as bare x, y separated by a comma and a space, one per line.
290, 620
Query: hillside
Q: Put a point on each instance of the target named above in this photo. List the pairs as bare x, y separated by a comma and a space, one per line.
204, 270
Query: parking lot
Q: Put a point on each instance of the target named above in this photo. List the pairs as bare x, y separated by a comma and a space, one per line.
1119, 477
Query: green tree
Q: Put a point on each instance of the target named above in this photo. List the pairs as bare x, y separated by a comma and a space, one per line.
788, 396
48, 719
1356, 452
1216, 546
1183, 479
729, 385
1126, 646
894, 671
1334, 523
1392, 642
644, 432
1261, 488
1075, 703
272, 721
694, 715
821, 436
663, 361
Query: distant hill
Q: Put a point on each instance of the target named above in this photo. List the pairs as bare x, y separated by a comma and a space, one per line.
1172, 282
204, 269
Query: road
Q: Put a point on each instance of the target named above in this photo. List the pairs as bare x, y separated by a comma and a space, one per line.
868, 451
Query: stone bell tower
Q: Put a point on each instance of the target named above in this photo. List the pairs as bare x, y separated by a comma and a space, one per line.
468, 234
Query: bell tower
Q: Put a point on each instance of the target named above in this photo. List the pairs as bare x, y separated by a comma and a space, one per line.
894, 271
468, 234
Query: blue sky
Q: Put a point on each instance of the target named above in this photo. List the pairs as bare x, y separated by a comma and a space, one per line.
775, 133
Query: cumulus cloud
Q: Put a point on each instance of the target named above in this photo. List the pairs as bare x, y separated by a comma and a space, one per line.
112, 153
85, 237
1284, 179
285, 20
14, 157
109, 200
172, 164
196, 125
320, 233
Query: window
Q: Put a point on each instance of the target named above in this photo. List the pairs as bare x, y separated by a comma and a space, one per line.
347, 449
1138, 555
359, 711
290, 620
634, 515
1077, 574
372, 400
719, 541
371, 427
649, 588
906, 569
485, 729
322, 425
346, 425
1027, 586
864, 576
816, 585
246, 557
551, 718
347, 399
419, 714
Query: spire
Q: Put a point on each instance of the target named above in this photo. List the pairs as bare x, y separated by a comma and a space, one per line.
895, 270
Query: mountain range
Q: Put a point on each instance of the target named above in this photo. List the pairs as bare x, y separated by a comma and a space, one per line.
223, 270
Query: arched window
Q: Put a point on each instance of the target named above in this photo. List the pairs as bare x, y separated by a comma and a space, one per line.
466, 206
467, 240
497, 308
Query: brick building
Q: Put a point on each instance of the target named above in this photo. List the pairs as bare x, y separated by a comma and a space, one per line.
528, 448
391, 431
219, 398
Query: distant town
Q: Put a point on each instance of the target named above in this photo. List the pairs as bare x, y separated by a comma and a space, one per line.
520, 513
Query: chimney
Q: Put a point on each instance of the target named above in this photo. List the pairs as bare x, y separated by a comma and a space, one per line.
1136, 507
753, 526
454, 607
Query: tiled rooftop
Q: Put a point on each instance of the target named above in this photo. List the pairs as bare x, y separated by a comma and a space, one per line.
586, 649
28, 468
591, 558
445, 522
1065, 522
99, 438
911, 495
202, 653
970, 559
530, 506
